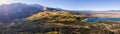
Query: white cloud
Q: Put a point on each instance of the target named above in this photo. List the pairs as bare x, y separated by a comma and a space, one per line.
5, 1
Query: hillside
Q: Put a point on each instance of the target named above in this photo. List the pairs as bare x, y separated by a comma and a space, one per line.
30, 19
59, 22
44, 22
55, 16
11, 12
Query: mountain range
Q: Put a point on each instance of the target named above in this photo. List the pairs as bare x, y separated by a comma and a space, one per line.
10, 12
34, 21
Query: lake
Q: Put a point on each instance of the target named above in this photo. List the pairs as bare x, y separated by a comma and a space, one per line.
103, 19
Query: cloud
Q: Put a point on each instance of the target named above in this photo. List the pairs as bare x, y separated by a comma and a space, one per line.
5, 1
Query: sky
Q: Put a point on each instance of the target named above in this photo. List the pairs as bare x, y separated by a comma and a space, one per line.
98, 5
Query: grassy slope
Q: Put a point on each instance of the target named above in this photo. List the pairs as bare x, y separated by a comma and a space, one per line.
63, 22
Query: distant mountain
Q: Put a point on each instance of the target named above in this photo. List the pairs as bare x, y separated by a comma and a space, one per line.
10, 12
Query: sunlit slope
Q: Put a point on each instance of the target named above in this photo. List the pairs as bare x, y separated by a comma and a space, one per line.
60, 22
56, 17
11, 12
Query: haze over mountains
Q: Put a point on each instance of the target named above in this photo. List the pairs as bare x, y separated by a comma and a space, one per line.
10, 12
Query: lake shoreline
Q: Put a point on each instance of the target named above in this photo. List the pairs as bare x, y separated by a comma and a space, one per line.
103, 19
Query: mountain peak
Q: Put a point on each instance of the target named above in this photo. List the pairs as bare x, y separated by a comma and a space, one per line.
10, 12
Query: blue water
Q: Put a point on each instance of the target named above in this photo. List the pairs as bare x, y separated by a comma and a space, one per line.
103, 19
